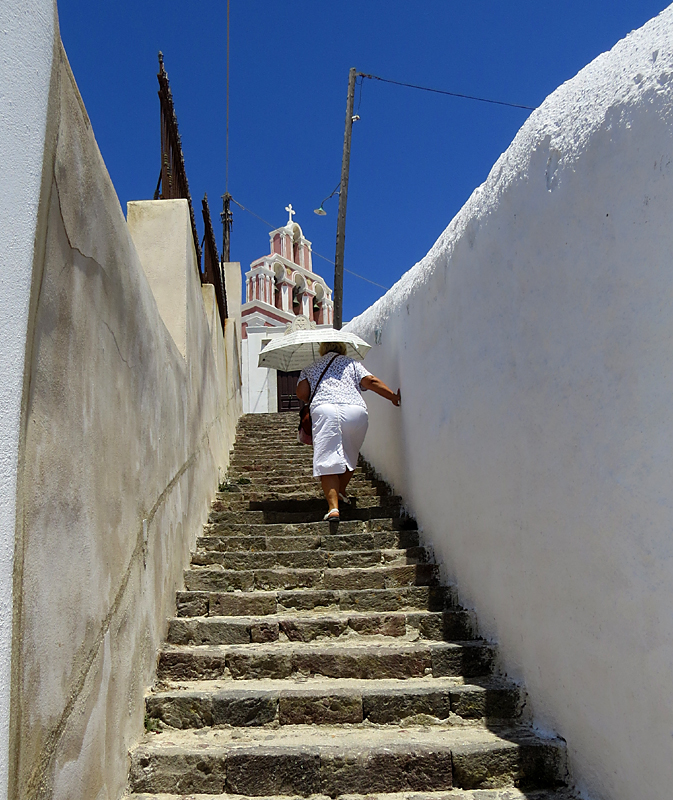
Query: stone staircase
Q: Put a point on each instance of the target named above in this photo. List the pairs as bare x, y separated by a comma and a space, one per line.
315, 658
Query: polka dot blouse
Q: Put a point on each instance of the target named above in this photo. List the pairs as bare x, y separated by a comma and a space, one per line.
341, 383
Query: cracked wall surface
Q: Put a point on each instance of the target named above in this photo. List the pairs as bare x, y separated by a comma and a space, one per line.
124, 435
535, 437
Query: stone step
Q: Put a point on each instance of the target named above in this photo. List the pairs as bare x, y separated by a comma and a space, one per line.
456, 625
277, 457
318, 503
317, 528
311, 514
255, 480
257, 474
309, 558
270, 432
271, 437
306, 760
331, 701
252, 471
368, 658
377, 540
206, 579
311, 500
416, 598
270, 446
271, 419
287, 483
296, 491
509, 793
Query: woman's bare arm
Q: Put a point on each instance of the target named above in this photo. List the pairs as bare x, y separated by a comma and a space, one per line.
304, 390
378, 386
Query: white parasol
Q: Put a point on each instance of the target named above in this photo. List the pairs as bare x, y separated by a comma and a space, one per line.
298, 349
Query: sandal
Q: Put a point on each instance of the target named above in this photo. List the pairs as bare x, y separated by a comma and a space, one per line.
344, 499
332, 515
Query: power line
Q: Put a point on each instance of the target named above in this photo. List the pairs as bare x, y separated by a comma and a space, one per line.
442, 91
226, 179
240, 205
350, 271
315, 253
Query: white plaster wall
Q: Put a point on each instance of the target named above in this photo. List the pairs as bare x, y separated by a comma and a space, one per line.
260, 385
123, 440
27, 32
534, 349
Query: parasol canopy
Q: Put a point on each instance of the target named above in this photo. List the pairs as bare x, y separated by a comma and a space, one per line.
299, 349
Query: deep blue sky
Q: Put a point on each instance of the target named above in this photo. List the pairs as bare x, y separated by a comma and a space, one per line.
416, 156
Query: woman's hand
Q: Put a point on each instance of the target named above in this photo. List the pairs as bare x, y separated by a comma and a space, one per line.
378, 386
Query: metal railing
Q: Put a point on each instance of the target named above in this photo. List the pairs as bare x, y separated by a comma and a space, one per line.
173, 184
212, 268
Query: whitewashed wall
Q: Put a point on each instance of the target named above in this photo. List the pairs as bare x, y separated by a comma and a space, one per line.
117, 427
534, 349
260, 386
26, 56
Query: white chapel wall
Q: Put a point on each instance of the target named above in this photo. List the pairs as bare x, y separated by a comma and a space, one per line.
117, 431
534, 349
260, 385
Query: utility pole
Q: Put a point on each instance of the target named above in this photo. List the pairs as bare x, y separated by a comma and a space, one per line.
343, 197
227, 218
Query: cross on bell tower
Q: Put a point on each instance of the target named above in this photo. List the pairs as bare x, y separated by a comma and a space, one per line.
291, 212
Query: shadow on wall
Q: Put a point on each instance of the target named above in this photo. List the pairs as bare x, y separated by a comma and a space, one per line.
133, 400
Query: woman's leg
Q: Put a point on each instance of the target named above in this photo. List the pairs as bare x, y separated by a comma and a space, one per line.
330, 487
344, 480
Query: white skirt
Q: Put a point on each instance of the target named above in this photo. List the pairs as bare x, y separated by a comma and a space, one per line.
338, 433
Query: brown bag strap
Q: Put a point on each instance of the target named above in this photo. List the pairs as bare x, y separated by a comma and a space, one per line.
310, 400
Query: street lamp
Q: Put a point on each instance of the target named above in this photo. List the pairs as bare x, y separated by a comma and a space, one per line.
321, 211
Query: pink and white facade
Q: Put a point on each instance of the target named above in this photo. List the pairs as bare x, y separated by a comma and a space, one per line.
279, 287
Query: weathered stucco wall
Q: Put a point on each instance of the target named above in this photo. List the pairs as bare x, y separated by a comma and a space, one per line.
125, 432
533, 346
27, 50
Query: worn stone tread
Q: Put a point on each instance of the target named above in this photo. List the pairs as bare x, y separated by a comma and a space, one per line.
253, 542
315, 601
196, 704
310, 558
365, 658
380, 577
312, 514
292, 483
336, 760
413, 625
309, 527
451, 794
